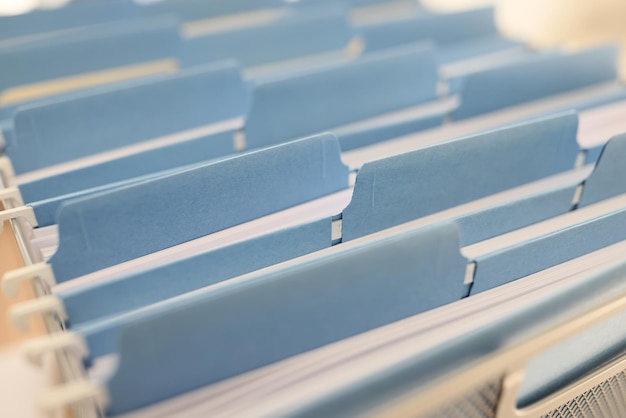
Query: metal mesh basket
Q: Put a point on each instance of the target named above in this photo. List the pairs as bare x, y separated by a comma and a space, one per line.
606, 400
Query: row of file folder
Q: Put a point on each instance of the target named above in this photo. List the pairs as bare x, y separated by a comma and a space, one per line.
312, 215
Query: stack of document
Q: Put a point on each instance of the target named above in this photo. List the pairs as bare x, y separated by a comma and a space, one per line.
315, 208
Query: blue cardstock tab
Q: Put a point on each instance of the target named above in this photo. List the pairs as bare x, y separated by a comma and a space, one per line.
70, 16
402, 188
126, 293
321, 99
64, 130
291, 38
91, 179
440, 28
234, 329
109, 46
512, 263
193, 10
503, 218
533, 78
109, 228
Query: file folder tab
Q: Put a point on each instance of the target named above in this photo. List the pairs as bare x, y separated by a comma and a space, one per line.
88, 50
409, 186
517, 261
49, 193
130, 222
127, 293
71, 16
57, 132
189, 10
533, 78
322, 99
338, 295
442, 29
288, 39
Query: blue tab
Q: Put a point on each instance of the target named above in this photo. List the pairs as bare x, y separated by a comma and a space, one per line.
90, 49
328, 297
128, 293
50, 134
533, 78
322, 99
500, 219
190, 10
356, 137
71, 16
618, 95
110, 228
442, 29
406, 187
472, 48
512, 263
132, 170
287, 39
51, 191
607, 178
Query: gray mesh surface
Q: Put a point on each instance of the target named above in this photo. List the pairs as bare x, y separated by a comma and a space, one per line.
606, 400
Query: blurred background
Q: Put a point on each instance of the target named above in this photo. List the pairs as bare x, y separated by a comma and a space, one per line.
539, 23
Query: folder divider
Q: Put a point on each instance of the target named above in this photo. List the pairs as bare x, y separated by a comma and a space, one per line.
500, 219
442, 29
292, 174
154, 285
301, 35
192, 10
520, 260
340, 94
520, 154
555, 135
115, 45
208, 94
552, 74
357, 295
70, 17
207, 149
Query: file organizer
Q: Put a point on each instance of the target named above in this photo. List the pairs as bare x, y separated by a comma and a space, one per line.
44, 67
98, 338
66, 18
361, 216
340, 41
413, 65
151, 46
81, 14
200, 17
534, 196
